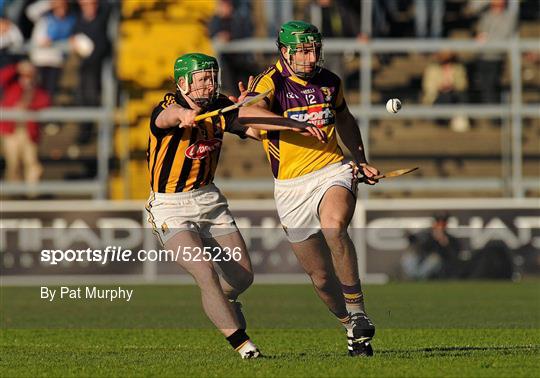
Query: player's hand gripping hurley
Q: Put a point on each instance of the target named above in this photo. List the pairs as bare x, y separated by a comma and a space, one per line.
395, 173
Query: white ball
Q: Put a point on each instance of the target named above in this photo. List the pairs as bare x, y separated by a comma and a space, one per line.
393, 105
83, 45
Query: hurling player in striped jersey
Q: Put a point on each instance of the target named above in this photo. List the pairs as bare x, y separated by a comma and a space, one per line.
315, 189
187, 211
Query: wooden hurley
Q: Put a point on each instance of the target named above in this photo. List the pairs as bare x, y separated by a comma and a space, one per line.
248, 102
396, 173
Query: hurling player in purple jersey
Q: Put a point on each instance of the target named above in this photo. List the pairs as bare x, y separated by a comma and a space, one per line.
315, 189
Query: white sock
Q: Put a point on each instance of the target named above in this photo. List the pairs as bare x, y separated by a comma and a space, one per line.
249, 350
355, 308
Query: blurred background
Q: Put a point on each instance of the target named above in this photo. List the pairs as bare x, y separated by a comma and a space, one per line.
80, 78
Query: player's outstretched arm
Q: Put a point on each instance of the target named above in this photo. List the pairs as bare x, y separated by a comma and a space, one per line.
176, 116
352, 138
259, 118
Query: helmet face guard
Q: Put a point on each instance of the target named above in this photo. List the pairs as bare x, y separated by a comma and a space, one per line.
203, 88
302, 66
201, 76
301, 38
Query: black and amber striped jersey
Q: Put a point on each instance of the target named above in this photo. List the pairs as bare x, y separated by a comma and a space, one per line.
182, 159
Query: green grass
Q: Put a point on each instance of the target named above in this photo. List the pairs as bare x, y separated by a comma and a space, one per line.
473, 329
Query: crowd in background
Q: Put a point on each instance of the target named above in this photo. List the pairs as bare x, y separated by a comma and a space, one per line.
37, 38
486, 20
41, 38
388, 19
52, 30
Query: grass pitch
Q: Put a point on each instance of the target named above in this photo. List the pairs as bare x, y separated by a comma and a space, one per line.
472, 329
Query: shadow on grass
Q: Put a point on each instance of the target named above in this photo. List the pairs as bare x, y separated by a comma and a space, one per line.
450, 351
459, 350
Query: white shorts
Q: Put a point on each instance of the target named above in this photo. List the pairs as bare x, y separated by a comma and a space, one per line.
298, 199
204, 211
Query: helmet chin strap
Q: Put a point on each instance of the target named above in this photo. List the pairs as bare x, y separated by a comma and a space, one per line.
201, 102
182, 90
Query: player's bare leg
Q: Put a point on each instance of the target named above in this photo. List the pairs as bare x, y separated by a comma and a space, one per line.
236, 275
215, 303
336, 210
314, 257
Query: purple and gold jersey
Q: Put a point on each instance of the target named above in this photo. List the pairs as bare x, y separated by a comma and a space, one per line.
318, 101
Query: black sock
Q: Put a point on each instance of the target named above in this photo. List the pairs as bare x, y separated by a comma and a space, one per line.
238, 338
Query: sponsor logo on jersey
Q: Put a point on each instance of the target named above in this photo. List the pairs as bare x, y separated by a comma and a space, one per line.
327, 92
319, 115
202, 148
292, 95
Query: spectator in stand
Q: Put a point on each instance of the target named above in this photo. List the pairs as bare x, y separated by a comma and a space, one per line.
340, 19
10, 37
53, 23
277, 13
497, 24
326, 16
20, 139
432, 12
25, 24
336, 18
444, 80
434, 253
474, 8
91, 43
226, 25
385, 16
12, 9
